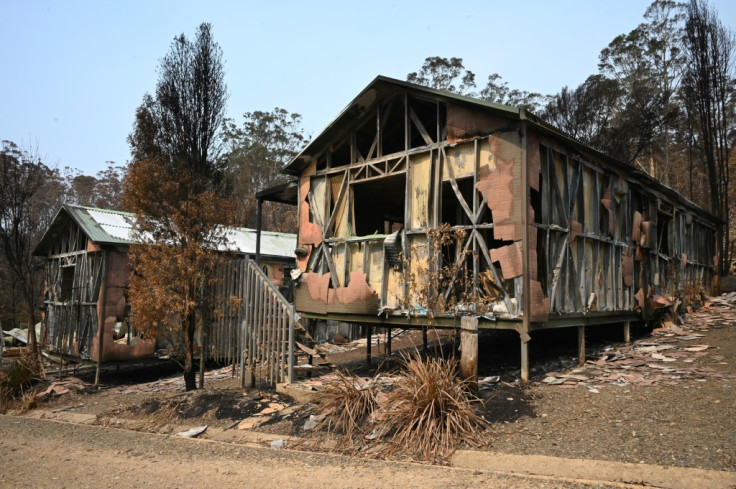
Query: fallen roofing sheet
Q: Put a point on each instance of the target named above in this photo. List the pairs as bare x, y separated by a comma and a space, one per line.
667, 357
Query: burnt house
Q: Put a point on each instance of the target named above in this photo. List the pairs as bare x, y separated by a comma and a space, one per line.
87, 271
418, 206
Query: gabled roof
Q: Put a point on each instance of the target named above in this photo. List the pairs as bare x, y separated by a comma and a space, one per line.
383, 87
101, 226
115, 228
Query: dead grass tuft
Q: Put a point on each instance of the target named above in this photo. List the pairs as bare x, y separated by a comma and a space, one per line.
16, 381
423, 414
430, 411
27, 402
346, 404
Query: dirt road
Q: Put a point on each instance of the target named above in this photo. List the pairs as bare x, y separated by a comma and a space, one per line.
47, 454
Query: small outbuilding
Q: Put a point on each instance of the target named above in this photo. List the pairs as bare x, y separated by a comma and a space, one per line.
87, 272
419, 206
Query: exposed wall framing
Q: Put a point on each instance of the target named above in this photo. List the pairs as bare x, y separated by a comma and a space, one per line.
579, 235
400, 179
85, 288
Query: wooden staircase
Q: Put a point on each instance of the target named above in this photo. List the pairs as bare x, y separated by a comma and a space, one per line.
266, 336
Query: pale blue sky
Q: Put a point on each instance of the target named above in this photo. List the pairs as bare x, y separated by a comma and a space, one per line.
73, 72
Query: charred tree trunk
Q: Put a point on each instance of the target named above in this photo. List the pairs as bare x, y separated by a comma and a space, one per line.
190, 375
709, 81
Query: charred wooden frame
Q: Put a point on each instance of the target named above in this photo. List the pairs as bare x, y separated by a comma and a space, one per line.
87, 271
565, 235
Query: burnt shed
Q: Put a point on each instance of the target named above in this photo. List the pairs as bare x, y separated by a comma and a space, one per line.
87, 270
418, 206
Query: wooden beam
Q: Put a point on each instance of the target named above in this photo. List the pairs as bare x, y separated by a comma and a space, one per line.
101, 315
327, 256
524, 361
526, 277
340, 195
487, 256
469, 351
581, 345
459, 261
557, 271
425, 135
456, 189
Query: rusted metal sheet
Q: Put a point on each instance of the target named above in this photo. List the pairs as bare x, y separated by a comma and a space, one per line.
502, 187
510, 259
466, 123
309, 234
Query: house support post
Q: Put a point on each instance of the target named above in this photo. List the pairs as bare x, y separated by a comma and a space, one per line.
627, 332
424, 340
369, 340
387, 347
469, 351
581, 345
524, 361
259, 215
526, 274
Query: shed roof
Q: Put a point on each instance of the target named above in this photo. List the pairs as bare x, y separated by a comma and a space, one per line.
115, 228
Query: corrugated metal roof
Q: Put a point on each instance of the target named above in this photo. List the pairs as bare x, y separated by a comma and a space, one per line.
103, 226
243, 240
106, 227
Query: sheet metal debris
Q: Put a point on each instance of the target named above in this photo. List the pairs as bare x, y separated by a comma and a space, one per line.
193, 433
58, 387
668, 357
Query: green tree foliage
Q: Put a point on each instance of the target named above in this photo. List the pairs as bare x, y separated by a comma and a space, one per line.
647, 64
255, 153
103, 190
174, 186
498, 91
588, 112
442, 74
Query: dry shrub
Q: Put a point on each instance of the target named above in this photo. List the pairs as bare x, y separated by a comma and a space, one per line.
17, 379
346, 404
430, 411
158, 413
424, 414
440, 279
28, 401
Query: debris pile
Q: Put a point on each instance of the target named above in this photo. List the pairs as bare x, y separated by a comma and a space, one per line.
668, 357
176, 383
376, 340
58, 387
